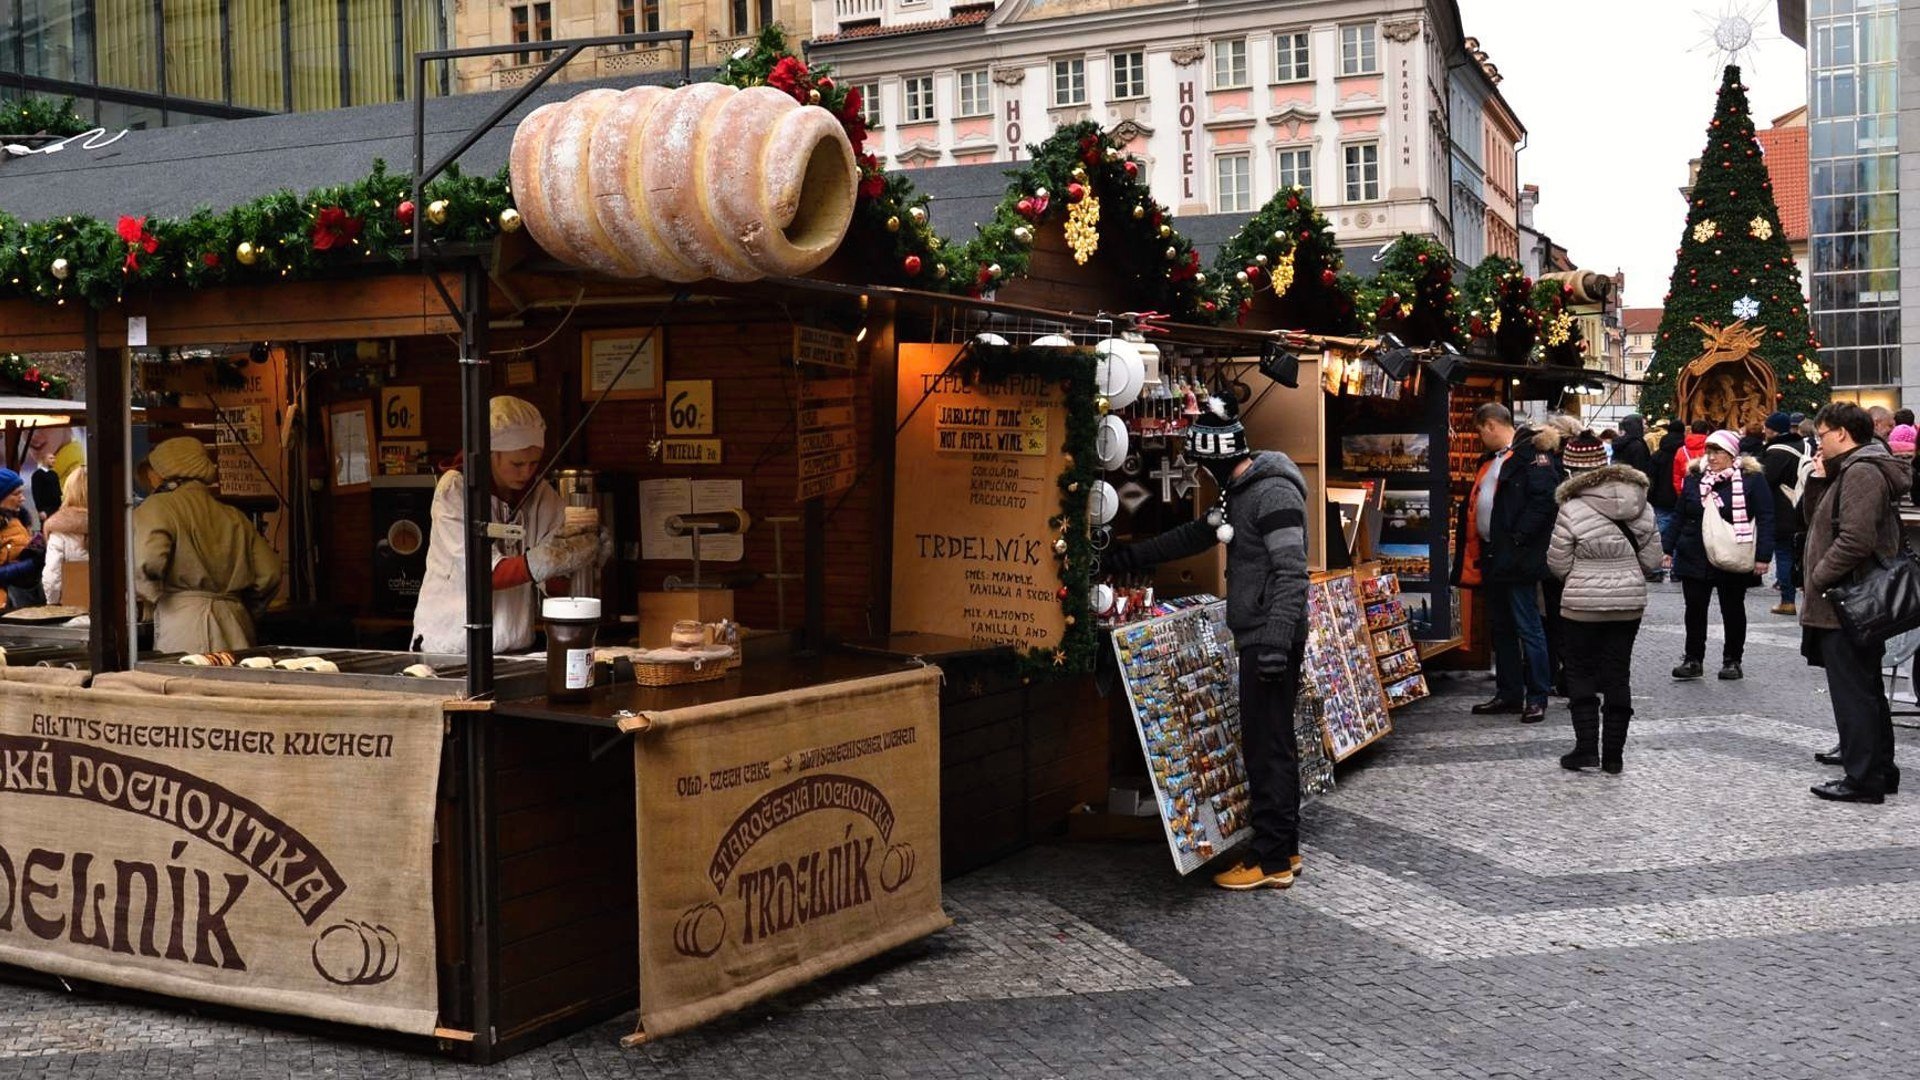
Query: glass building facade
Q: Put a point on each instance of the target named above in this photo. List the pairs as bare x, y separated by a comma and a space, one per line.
1853, 144
149, 63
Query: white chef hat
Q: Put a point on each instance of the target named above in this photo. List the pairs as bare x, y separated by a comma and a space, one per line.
515, 424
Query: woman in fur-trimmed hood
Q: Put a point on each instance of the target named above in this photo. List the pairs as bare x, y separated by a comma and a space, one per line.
1604, 542
1733, 487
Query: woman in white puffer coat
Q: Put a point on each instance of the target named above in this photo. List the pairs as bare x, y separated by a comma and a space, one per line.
1604, 544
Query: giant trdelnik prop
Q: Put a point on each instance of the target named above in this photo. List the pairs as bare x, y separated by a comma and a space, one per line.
703, 181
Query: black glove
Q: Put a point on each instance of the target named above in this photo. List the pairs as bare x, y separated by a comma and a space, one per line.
1272, 665
1119, 559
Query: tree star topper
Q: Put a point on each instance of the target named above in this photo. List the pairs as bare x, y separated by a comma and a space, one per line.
1733, 32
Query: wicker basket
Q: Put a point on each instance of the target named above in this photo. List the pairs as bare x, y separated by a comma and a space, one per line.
650, 674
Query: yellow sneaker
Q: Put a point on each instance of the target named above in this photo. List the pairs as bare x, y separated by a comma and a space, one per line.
1242, 878
1293, 865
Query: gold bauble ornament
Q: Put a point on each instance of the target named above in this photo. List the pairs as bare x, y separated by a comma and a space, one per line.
1199, 279
1261, 259
1241, 277
247, 253
60, 269
1113, 153
1166, 231
437, 211
893, 224
1103, 405
918, 214
1279, 236
1023, 234
1060, 547
1080, 174
1139, 212
1172, 254
940, 271
813, 97
509, 220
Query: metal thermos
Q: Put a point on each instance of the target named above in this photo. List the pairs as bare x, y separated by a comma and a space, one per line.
580, 492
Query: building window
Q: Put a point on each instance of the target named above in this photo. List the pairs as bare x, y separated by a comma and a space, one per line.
744, 12
639, 17
975, 94
1294, 169
1359, 50
869, 103
1229, 63
917, 91
532, 22
1363, 171
1290, 57
1069, 82
1233, 183
1129, 75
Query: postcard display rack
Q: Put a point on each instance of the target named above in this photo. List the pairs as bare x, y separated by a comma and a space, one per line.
1339, 673
1399, 449
1182, 680
1394, 650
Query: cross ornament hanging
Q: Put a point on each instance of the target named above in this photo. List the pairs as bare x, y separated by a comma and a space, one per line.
1178, 477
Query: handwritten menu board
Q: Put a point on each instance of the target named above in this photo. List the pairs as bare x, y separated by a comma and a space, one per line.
826, 433
975, 482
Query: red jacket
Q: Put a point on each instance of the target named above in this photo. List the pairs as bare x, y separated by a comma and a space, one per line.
1694, 446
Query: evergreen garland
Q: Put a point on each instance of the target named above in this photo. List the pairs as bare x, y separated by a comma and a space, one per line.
1733, 251
41, 116
1413, 295
1074, 369
1560, 339
1495, 311
28, 379
1290, 240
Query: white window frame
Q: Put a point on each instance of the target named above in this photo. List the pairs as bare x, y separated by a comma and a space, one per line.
1225, 78
1303, 173
917, 108
1347, 166
1138, 86
983, 105
1360, 49
1075, 70
1243, 200
870, 110
1293, 72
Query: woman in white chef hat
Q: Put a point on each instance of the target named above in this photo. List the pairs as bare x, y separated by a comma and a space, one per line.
550, 553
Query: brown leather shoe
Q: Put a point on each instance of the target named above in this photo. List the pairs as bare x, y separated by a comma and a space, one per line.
1244, 878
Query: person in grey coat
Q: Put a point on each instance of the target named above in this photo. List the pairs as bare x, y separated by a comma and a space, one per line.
1261, 517
1604, 544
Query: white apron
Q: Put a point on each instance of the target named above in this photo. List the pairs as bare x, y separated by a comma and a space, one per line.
440, 613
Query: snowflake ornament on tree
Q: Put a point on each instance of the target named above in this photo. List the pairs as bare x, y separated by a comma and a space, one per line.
1705, 231
1760, 229
1746, 308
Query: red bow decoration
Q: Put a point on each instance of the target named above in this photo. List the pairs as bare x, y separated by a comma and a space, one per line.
133, 230
334, 227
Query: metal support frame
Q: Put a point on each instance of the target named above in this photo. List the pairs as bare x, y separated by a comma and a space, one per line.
562, 53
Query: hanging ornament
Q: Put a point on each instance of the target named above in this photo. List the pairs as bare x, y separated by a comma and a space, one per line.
1132, 168
509, 220
1172, 254
1060, 546
247, 253
1327, 278
1746, 308
1139, 212
1079, 174
1040, 193
893, 224
60, 269
1241, 277
437, 212
1760, 229
911, 264
1261, 260
1083, 226
1102, 405
918, 214
1166, 231
404, 212
1023, 234
1705, 231
940, 271
1076, 192
1283, 274
1560, 330
1112, 153
1493, 321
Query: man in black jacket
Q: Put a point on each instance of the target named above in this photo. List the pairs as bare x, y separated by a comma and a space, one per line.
1262, 519
1630, 447
1780, 465
1510, 515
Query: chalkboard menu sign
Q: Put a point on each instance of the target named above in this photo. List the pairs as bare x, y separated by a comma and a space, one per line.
976, 484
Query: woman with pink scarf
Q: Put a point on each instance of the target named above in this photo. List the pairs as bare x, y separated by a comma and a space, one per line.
1721, 482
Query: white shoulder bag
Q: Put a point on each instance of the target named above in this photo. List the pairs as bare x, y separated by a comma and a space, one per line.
1724, 551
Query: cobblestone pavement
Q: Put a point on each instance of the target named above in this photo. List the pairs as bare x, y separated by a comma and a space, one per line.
1470, 910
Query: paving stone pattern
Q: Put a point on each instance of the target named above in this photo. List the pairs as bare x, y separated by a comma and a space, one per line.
1469, 910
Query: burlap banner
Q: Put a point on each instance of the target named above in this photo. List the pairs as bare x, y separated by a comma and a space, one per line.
782, 838
270, 851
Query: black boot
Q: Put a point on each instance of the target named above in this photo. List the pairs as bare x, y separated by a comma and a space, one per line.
1613, 739
1586, 738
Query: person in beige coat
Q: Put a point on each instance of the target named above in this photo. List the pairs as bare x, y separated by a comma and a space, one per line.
200, 562
1604, 544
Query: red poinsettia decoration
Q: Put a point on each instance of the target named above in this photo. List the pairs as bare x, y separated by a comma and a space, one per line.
1090, 149
334, 227
790, 76
133, 230
872, 181
1186, 270
33, 374
210, 259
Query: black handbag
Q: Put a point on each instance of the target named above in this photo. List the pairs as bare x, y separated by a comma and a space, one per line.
1883, 599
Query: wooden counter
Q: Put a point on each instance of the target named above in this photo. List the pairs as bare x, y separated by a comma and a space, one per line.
759, 676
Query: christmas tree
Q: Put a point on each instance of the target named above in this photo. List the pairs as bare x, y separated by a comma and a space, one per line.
1734, 298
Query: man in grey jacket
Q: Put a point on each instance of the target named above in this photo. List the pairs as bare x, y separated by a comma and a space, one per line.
1261, 517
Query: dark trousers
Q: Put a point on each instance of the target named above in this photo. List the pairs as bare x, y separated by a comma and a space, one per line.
1733, 616
1860, 710
1273, 758
1600, 665
1550, 590
1515, 627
